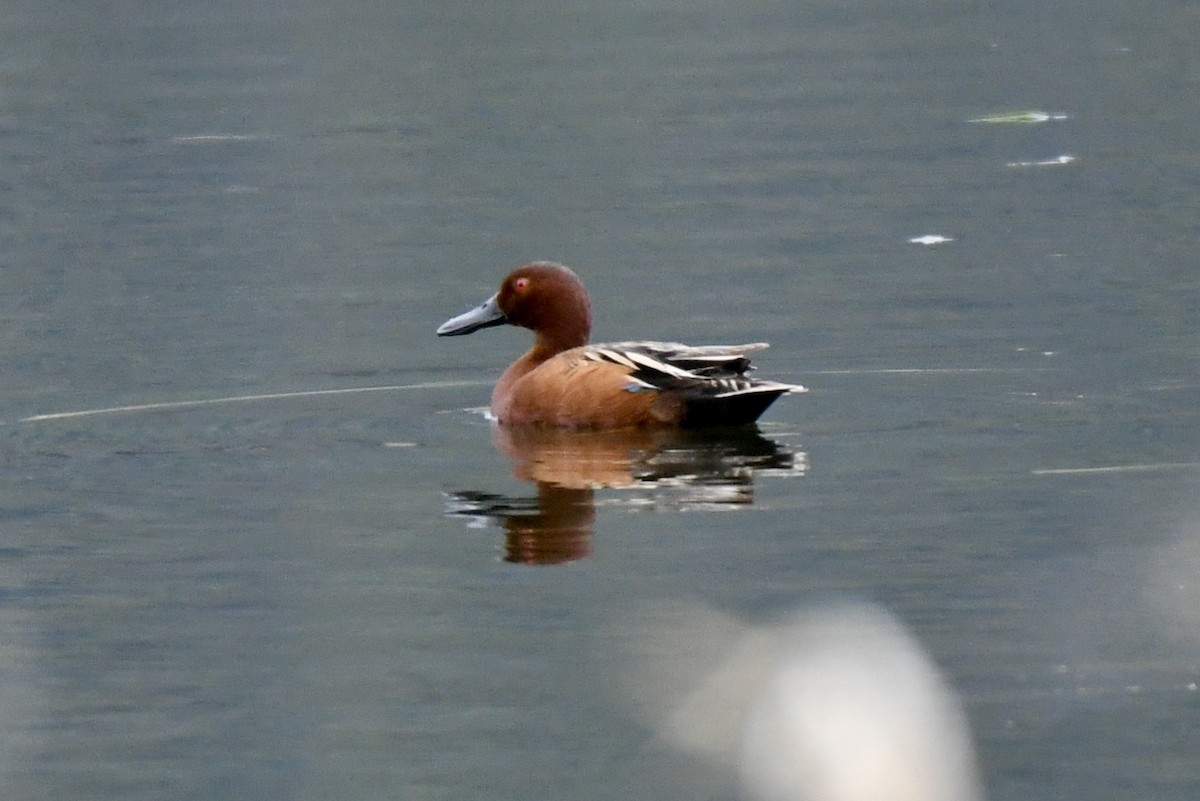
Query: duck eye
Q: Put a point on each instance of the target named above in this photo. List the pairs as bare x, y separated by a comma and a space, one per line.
521, 284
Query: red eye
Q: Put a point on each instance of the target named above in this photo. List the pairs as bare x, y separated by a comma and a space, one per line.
521, 284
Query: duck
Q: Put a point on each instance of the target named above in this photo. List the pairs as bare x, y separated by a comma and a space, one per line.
565, 381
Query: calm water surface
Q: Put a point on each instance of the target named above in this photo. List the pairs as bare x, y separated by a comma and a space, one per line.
331, 595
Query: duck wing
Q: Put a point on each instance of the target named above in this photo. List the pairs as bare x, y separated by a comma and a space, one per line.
703, 360
710, 381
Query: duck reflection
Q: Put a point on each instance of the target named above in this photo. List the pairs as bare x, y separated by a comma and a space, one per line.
647, 467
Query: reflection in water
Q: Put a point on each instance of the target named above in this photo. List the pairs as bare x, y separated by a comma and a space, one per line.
652, 467
552, 528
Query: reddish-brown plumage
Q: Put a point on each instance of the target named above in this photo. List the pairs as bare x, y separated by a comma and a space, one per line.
567, 390
563, 382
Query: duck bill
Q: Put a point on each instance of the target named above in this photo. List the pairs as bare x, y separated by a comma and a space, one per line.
485, 315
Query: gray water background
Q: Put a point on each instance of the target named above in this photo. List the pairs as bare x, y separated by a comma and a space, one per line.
282, 598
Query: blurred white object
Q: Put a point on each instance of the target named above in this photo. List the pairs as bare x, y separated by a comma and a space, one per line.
1023, 117
834, 704
1057, 161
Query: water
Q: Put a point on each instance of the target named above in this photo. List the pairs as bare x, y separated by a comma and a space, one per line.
300, 597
